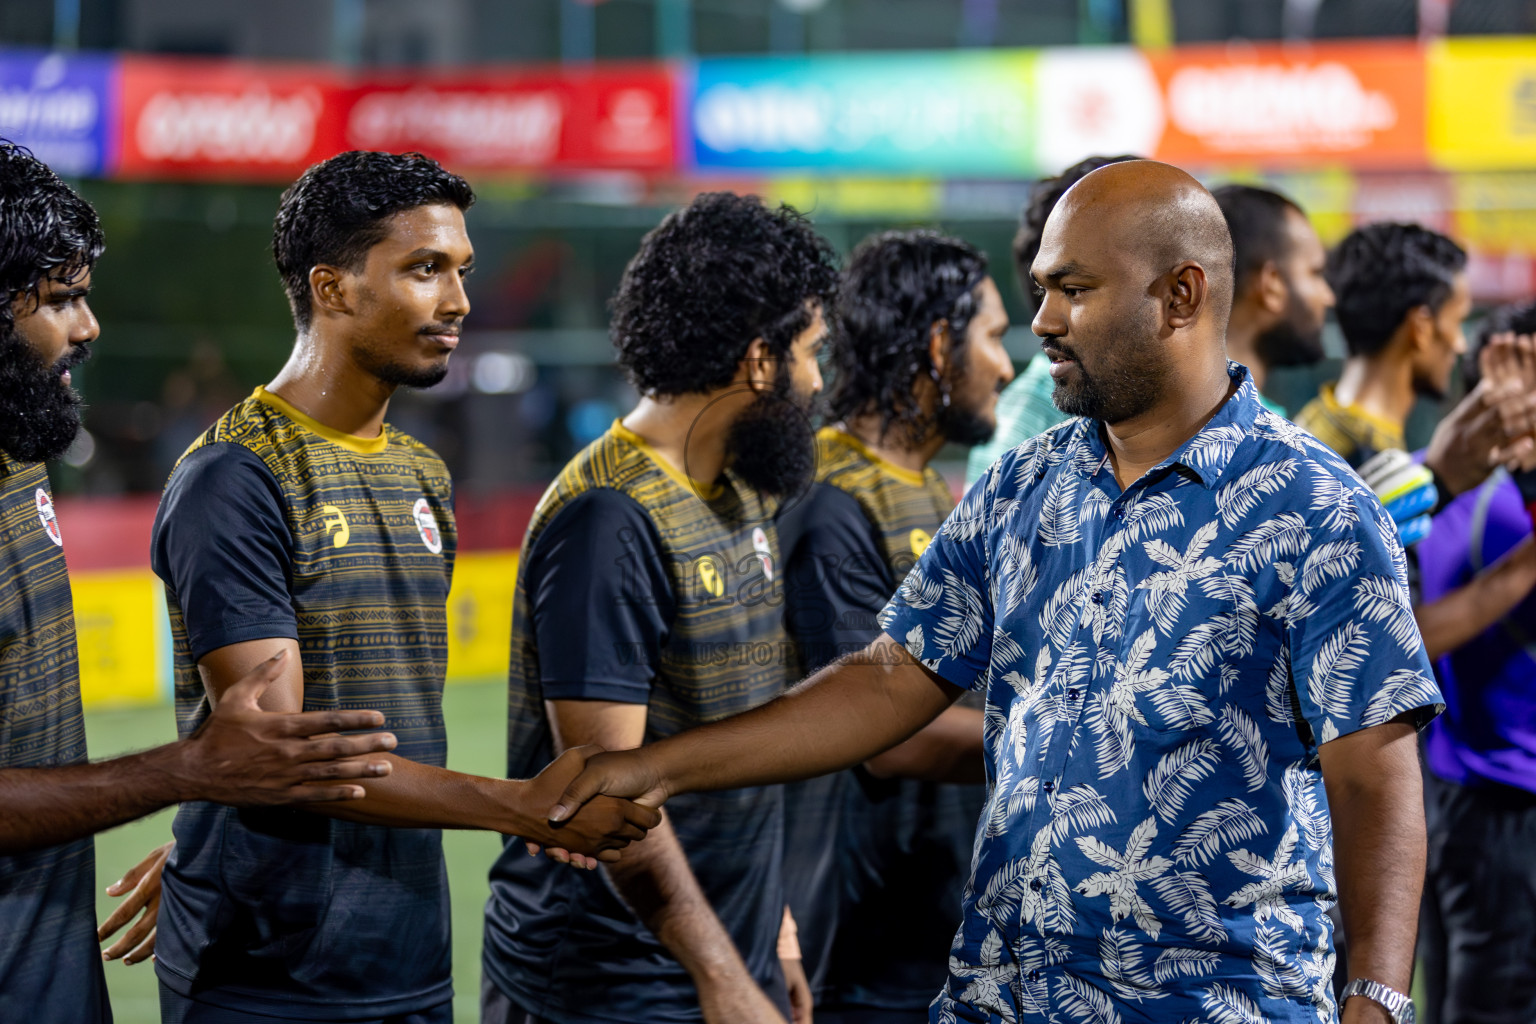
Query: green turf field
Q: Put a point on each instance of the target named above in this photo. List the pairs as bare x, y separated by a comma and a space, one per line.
476, 715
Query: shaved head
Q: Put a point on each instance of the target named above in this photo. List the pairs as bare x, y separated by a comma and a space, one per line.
1159, 215
1135, 264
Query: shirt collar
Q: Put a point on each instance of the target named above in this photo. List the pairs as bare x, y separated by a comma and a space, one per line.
1206, 455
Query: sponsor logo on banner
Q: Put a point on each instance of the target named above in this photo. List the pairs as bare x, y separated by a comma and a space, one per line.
224, 119
928, 113
1095, 101
479, 127
58, 106
1286, 106
1482, 104
618, 118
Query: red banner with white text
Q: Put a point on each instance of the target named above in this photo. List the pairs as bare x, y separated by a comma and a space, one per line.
213, 119
509, 120
226, 119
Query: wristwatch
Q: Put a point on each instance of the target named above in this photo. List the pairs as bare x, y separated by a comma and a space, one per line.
1397, 1004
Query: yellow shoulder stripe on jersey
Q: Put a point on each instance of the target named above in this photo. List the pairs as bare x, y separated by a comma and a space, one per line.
351, 442
906, 476
708, 492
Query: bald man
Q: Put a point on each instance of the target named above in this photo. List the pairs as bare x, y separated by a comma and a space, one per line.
1201, 670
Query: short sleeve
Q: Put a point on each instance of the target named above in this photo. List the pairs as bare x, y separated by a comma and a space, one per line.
222, 546
597, 572
942, 613
836, 578
1357, 659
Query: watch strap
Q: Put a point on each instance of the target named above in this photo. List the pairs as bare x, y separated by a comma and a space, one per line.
1394, 1001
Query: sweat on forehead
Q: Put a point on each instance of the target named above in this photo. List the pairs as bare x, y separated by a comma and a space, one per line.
1151, 210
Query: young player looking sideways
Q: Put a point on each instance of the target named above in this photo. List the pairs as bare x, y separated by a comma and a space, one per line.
301, 521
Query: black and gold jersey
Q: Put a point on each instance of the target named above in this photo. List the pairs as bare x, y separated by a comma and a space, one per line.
849, 543
274, 525
50, 963
641, 586
866, 856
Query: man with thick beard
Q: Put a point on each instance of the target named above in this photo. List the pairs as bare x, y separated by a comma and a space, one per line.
1025, 408
885, 849
648, 602
1281, 296
302, 522
1191, 623
51, 798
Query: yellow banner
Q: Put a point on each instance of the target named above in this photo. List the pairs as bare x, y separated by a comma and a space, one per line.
480, 616
1482, 104
124, 634
122, 629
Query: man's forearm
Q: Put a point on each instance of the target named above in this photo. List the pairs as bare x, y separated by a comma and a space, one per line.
655, 880
1379, 842
1460, 616
845, 714
416, 795
948, 749
46, 806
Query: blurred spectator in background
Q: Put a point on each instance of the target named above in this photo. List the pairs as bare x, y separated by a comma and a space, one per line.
1479, 908
1025, 408
1281, 296
1402, 295
877, 850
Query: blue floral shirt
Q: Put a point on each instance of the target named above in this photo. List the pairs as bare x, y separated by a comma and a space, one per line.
1161, 665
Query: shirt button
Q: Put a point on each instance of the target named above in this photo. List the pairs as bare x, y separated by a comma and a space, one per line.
1036, 884
1072, 694
1050, 786
1098, 598
1120, 512
1034, 974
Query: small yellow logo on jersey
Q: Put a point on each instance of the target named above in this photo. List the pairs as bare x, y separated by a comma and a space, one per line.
920, 541
334, 520
710, 577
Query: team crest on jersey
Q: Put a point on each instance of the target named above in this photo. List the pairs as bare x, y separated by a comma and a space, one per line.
919, 539
335, 524
48, 517
426, 525
764, 552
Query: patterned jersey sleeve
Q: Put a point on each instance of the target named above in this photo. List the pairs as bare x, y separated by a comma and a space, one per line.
942, 612
1357, 659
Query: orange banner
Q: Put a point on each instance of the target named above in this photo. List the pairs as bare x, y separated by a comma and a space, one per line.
1359, 104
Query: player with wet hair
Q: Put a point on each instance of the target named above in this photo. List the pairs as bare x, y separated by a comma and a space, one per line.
51, 797
302, 523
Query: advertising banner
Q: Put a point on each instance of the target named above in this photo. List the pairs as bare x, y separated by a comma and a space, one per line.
225, 119
61, 107
1482, 104
1358, 104
611, 117
962, 113
1092, 101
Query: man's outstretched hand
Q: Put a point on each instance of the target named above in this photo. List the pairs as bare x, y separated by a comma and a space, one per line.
598, 826
617, 773
245, 756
